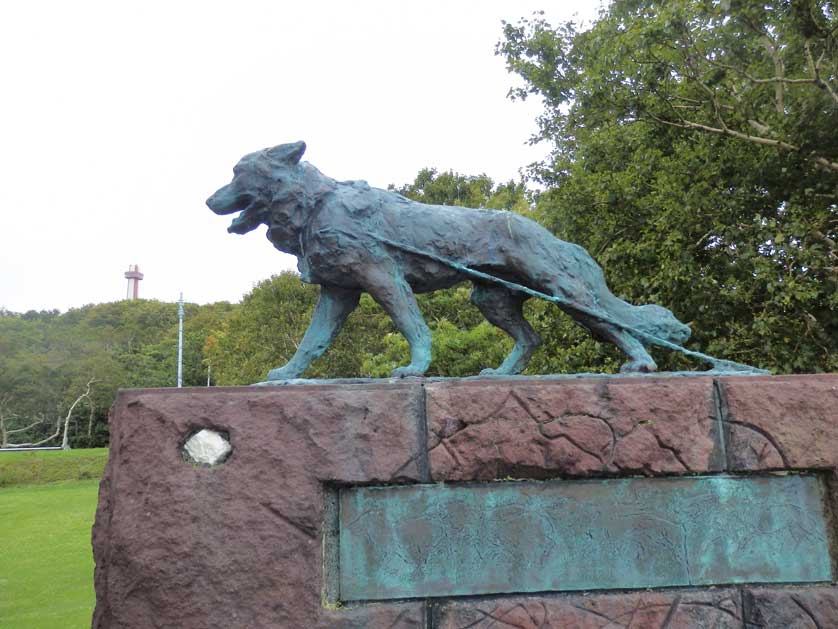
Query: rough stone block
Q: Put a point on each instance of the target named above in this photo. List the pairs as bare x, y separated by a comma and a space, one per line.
240, 544
718, 609
798, 608
243, 543
481, 430
781, 422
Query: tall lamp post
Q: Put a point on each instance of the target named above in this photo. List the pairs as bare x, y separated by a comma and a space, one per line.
180, 342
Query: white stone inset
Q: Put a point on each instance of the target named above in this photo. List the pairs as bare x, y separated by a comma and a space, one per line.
208, 447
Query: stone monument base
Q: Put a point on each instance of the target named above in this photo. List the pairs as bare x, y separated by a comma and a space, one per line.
602, 502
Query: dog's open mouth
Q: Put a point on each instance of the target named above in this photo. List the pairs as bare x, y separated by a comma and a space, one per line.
228, 201
249, 219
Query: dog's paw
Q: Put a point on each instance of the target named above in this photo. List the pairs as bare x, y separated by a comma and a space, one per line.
281, 373
639, 366
497, 371
408, 371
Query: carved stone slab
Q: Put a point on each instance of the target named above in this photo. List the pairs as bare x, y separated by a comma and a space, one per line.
490, 538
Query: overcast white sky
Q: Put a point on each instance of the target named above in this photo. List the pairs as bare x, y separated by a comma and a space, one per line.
118, 119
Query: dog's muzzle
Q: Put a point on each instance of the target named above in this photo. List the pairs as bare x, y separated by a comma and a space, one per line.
227, 201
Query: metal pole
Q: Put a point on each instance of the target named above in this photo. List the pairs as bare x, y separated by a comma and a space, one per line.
30, 449
209, 371
180, 342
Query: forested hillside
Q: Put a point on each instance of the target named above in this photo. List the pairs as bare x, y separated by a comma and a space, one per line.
47, 359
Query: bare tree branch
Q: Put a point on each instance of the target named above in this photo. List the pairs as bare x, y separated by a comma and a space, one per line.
725, 130
37, 443
779, 71
66, 420
4, 433
814, 68
65, 444
90, 419
32, 425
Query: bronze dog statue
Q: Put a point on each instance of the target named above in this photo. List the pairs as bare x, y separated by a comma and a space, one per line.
350, 238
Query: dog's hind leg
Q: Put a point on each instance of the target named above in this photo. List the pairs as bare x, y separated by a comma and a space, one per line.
389, 288
639, 358
504, 309
333, 307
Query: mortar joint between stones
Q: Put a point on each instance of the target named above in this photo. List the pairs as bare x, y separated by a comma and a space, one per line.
423, 457
720, 412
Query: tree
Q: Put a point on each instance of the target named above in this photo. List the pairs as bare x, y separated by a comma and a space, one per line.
65, 441
692, 155
759, 72
8, 419
450, 188
263, 331
5, 417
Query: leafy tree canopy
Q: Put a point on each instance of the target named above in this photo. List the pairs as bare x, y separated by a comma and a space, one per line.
694, 155
47, 358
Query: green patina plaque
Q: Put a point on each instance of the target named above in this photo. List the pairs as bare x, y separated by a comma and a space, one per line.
451, 540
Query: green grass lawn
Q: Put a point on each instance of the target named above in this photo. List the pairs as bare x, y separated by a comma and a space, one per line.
19, 468
46, 561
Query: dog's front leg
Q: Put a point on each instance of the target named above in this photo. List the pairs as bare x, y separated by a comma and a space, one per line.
333, 307
388, 287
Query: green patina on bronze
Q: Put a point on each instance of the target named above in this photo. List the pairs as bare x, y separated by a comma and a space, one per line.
448, 540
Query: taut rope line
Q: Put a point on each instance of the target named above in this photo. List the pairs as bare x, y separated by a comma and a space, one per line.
718, 364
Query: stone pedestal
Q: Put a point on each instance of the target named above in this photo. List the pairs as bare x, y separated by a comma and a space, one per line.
254, 539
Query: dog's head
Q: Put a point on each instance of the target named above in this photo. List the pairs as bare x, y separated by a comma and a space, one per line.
262, 181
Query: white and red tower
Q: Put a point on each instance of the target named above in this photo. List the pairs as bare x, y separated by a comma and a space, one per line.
133, 276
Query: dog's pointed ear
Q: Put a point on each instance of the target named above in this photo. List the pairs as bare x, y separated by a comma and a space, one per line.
288, 153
